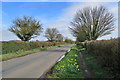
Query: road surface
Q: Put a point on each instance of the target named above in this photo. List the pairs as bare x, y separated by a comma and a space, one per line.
33, 65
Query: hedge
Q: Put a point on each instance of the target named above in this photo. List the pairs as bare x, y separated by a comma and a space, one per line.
107, 54
14, 46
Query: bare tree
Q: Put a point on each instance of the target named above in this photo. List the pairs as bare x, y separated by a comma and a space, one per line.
92, 23
26, 28
51, 34
59, 37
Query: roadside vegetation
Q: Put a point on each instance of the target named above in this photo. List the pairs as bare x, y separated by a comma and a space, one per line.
102, 57
69, 66
12, 49
25, 29
16, 46
90, 23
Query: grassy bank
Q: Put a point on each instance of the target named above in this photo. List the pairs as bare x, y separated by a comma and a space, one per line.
96, 69
23, 53
69, 67
102, 57
107, 54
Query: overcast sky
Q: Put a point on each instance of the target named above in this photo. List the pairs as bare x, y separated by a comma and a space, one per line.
51, 14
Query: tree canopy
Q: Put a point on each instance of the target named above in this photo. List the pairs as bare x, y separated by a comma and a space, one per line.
69, 40
26, 28
59, 37
51, 34
91, 23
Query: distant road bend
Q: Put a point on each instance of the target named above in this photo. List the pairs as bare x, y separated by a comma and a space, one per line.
33, 65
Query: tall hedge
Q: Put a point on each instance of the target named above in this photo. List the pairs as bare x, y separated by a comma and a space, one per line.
14, 46
107, 54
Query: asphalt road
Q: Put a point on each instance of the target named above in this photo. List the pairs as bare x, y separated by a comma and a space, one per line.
33, 65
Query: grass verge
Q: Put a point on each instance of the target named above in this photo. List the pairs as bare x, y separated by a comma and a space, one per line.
69, 67
94, 67
23, 53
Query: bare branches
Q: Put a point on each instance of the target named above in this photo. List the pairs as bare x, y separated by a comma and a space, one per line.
52, 34
93, 22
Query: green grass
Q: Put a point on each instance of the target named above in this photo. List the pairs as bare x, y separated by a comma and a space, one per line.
69, 66
20, 53
94, 67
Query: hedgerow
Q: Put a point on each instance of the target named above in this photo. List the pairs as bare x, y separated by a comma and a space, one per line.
106, 53
14, 46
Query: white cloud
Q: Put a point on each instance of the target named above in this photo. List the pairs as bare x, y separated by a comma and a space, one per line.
64, 20
114, 34
114, 11
58, 24
3, 26
39, 38
7, 35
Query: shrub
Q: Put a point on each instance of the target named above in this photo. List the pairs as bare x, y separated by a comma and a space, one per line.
14, 46
107, 54
69, 40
